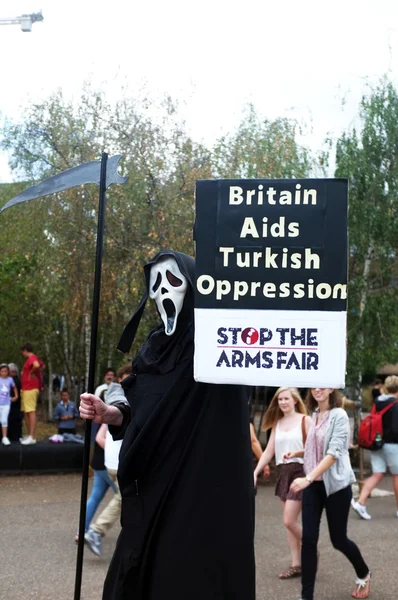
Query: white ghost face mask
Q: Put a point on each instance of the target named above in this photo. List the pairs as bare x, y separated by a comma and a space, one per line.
167, 287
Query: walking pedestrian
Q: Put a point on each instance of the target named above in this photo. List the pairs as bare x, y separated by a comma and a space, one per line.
111, 513
101, 482
327, 485
387, 456
183, 534
286, 417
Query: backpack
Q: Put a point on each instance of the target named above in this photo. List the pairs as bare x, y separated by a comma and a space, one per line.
370, 435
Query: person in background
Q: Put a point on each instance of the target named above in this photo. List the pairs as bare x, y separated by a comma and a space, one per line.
101, 482
109, 377
387, 456
15, 416
327, 485
377, 389
256, 448
111, 513
65, 414
56, 384
31, 386
286, 417
7, 387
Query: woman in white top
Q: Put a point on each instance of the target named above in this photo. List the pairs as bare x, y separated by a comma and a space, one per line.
286, 417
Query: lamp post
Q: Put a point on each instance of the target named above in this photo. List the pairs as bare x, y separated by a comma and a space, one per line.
25, 21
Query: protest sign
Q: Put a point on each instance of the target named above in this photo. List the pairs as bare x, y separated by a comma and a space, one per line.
271, 282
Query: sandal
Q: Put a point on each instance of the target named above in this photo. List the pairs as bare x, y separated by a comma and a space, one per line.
290, 573
362, 587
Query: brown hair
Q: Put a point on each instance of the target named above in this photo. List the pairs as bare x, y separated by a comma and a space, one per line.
334, 400
274, 413
109, 370
27, 347
125, 370
5, 366
391, 384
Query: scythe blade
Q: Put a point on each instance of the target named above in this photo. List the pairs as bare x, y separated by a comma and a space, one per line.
86, 173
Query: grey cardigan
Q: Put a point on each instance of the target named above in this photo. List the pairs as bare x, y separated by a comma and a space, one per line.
337, 440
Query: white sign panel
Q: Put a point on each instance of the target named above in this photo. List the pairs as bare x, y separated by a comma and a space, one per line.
277, 347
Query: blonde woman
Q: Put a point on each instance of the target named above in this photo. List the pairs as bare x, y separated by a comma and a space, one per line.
286, 417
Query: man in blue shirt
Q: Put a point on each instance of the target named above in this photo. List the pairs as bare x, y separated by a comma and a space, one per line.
65, 414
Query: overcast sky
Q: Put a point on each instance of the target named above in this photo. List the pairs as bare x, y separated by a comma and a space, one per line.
288, 57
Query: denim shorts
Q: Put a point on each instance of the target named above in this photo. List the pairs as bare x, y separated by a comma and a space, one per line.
386, 457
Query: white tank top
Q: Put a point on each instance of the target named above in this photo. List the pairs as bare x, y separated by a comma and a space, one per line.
112, 449
288, 441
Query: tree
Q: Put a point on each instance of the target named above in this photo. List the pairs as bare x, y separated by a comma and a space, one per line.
51, 243
154, 210
369, 158
262, 148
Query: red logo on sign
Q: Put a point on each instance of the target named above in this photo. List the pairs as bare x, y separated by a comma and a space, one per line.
250, 335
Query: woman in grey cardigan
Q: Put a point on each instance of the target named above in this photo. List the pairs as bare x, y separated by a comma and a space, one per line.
327, 485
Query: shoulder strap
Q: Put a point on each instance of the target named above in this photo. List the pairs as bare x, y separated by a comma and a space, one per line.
381, 412
303, 430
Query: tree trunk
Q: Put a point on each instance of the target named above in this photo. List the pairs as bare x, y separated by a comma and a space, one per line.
79, 358
67, 370
111, 345
50, 380
98, 372
361, 343
362, 306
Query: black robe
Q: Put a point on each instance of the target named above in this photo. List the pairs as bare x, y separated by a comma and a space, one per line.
185, 475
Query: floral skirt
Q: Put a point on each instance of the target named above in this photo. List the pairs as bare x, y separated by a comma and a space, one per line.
287, 474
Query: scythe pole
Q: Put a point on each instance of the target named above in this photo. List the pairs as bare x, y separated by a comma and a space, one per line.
91, 369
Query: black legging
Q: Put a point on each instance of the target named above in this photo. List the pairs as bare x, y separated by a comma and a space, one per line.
337, 507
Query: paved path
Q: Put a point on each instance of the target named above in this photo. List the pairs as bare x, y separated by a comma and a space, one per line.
37, 553
377, 539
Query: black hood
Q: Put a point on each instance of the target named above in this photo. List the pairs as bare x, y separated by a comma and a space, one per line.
187, 267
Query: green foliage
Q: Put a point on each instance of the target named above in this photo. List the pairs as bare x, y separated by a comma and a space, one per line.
48, 245
369, 158
262, 148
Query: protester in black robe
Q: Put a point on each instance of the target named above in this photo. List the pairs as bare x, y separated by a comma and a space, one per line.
185, 473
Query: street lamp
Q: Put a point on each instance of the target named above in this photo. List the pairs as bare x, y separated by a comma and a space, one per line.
25, 21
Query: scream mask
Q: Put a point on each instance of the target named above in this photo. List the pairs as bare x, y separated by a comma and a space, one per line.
167, 287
